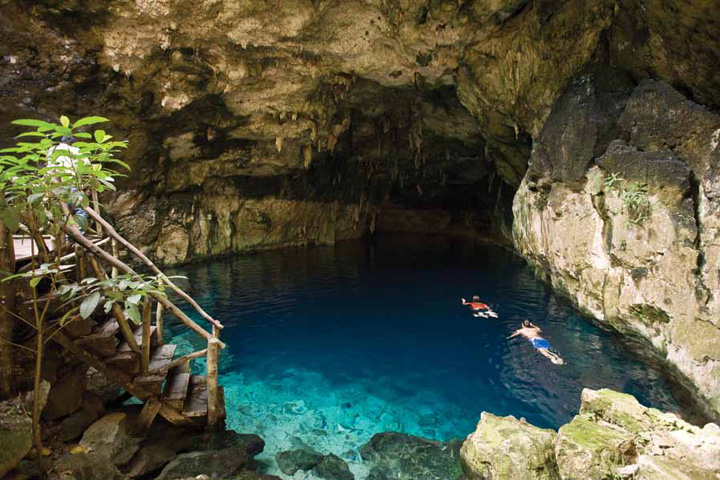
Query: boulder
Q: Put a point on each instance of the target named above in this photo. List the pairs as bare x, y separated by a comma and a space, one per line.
15, 435
406, 457
112, 437
301, 459
66, 395
86, 466
216, 463
74, 426
585, 448
149, 459
333, 467
99, 385
504, 448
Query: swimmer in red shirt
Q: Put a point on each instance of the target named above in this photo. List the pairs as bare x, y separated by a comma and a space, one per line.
479, 309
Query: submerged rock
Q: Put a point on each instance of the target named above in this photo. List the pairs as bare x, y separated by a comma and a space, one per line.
332, 467
612, 437
15, 435
507, 448
301, 459
405, 457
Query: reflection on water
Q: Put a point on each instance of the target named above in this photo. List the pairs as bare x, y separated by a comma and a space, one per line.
327, 346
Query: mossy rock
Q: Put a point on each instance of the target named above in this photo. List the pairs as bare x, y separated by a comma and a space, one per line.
504, 448
587, 449
15, 436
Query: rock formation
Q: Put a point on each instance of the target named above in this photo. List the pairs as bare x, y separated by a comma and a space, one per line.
613, 436
647, 268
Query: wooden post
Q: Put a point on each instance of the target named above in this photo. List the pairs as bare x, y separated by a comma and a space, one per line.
116, 254
7, 309
216, 332
147, 310
159, 320
96, 206
212, 381
80, 263
116, 309
148, 414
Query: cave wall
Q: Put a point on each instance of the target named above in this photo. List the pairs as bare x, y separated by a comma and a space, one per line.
261, 124
651, 270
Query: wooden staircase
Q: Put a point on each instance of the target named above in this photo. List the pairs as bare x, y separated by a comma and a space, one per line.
136, 357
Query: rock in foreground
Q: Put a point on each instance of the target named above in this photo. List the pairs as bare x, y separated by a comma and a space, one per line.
405, 457
504, 447
612, 437
15, 436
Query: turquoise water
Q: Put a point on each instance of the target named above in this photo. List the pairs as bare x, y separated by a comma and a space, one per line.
330, 345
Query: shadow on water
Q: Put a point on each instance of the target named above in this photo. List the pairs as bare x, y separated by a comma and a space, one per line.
329, 345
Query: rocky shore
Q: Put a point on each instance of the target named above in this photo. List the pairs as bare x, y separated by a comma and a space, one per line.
612, 437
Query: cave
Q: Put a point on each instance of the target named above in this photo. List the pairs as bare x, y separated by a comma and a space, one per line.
561, 157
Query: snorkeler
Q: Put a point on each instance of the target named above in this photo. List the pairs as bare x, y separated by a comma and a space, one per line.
532, 333
479, 309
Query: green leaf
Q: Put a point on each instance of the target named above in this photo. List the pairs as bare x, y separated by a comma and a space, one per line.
31, 134
134, 299
35, 197
108, 306
64, 121
133, 312
89, 121
87, 307
10, 218
29, 122
34, 281
99, 135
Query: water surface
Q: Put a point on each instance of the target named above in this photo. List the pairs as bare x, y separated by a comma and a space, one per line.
329, 345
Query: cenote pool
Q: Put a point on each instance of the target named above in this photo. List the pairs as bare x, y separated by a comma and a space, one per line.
330, 345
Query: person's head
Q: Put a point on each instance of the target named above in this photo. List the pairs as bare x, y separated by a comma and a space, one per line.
68, 139
526, 323
476, 298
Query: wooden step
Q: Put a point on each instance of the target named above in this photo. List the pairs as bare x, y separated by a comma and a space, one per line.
127, 361
161, 356
196, 402
176, 387
138, 338
110, 326
99, 344
78, 327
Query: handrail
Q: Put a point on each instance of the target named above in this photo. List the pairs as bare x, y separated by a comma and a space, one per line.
113, 233
79, 238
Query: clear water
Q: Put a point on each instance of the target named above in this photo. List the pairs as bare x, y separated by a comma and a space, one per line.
328, 346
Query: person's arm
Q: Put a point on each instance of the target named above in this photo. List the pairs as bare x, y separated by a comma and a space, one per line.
463, 301
515, 334
535, 326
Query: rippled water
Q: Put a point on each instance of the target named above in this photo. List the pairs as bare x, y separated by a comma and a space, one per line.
327, 346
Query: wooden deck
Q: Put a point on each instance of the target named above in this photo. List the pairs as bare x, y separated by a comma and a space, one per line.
24, 247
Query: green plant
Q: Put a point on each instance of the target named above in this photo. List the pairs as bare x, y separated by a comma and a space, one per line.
634, 195
43, 182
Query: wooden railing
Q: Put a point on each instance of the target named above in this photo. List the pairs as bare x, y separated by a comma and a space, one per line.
163, 304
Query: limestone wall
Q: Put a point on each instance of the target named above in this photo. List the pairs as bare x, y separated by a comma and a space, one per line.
651, 271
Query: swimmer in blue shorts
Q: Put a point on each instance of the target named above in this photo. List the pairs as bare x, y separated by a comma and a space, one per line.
532, 333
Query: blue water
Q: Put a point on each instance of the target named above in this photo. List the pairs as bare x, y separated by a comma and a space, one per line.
329, 345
